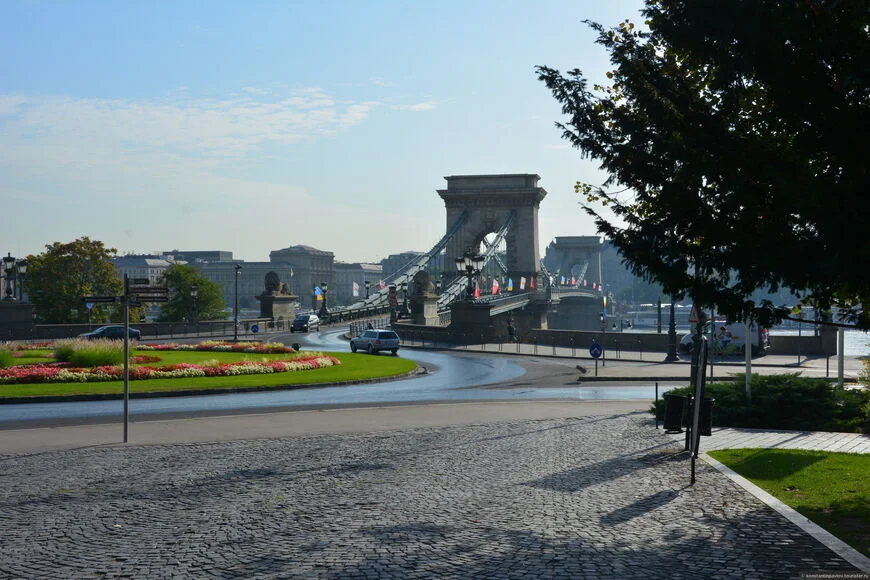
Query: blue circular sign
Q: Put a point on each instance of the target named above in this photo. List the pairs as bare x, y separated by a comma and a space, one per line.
595, 350
255, 329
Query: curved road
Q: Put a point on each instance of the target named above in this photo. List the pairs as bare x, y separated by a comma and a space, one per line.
452, 377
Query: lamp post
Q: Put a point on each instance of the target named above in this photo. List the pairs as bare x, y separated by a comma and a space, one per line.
368, 285
324, 311
194, 291
15, 270
672, 336
238, 269
404, 312
470, 265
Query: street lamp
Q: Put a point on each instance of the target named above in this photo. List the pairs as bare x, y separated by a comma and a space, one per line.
403, 313
368, 285
324, 312
194, 291
672, 336
15, 270
238, 269
470, 265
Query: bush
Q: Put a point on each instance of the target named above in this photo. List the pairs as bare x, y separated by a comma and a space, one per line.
789, 402
6, 358
86, 354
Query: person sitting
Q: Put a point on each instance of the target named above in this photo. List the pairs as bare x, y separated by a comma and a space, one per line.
724, 336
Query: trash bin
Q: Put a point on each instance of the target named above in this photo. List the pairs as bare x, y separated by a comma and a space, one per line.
675, 407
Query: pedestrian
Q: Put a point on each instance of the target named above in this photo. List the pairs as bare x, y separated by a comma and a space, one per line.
724, 336
511, 331
370, 326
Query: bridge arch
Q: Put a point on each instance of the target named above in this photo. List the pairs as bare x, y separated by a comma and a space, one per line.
488, 202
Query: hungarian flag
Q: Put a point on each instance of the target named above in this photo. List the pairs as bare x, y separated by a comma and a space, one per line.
531, 282
584, 282
476, 292
494, 286
381, 284
573, 282
355, 289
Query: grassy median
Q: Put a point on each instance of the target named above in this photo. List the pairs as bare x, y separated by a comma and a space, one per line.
353, 367
830, 489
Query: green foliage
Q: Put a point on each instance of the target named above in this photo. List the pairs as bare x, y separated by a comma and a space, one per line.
60, 277
736, 136
787, 401
179, 279
89, 353
6, 358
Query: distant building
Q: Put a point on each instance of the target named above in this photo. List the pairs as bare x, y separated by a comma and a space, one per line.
142, 266
395, 262
348, 274
199, 256
311, 267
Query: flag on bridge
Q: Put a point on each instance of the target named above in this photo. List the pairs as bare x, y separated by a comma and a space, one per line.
317, 291
510, 286
476, 292
381, 284
532, 282
522, 282
355, 289
494, 286
573, 281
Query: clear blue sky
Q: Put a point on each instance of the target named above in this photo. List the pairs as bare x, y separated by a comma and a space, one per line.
253, 126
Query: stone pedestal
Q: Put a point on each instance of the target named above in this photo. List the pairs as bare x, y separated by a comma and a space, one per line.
275, 306
424, 309
16, 320
470, 319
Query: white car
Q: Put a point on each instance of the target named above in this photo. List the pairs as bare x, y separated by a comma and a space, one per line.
375, 340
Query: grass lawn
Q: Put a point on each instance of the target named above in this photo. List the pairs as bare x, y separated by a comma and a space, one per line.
353, 367
831, 489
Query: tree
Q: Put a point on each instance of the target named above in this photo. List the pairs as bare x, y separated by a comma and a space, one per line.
60, 277
209, 298
737, 131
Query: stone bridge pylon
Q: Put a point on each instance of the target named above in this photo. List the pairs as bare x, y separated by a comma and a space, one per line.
489, 201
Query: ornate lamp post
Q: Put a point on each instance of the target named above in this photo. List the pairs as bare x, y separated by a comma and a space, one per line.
368, 285
672, 336
15, 271
238, 269
194, 291
324, 311
470, 265
404, 312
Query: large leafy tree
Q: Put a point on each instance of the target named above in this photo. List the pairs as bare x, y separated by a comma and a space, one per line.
180, 278
60, 277
735, 136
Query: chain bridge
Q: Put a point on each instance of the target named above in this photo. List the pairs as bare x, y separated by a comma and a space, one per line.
495, 217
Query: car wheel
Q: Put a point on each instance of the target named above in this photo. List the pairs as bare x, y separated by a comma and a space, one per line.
394, 351
352, 347
370, 349
292, 329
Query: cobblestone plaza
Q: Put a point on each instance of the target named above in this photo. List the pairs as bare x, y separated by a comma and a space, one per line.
601, 496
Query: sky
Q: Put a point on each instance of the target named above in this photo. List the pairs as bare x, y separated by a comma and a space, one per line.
254, 126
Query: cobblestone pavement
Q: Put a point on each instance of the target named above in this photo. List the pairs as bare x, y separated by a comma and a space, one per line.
602, 496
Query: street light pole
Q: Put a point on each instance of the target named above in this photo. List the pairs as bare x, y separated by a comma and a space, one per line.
238, 269
194, 291
324, 311
672, 336
470, 265
368, 285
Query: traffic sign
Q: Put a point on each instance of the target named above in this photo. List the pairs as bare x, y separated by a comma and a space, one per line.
154, 289
150, 297
94, 299
595, 350
89, 305
131, 281
255, 328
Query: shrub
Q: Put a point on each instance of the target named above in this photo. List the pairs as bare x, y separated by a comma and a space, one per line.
788, 401
6, 358
89, 353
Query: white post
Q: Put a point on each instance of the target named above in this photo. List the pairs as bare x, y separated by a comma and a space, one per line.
747, 348
841, 338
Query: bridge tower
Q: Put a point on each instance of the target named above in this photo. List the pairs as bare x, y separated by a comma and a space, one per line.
489, 200
576, 257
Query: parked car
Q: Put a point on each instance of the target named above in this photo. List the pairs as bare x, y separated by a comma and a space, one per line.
375, 340
112, 332
305, 323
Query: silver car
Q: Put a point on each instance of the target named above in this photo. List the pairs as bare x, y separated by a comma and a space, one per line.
375, 340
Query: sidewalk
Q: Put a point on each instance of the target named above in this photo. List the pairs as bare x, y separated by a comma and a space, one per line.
633, 365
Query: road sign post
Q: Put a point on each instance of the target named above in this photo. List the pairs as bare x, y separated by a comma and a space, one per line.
596, 350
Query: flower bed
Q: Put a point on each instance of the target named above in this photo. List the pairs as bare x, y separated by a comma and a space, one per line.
63, 373
223, 346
